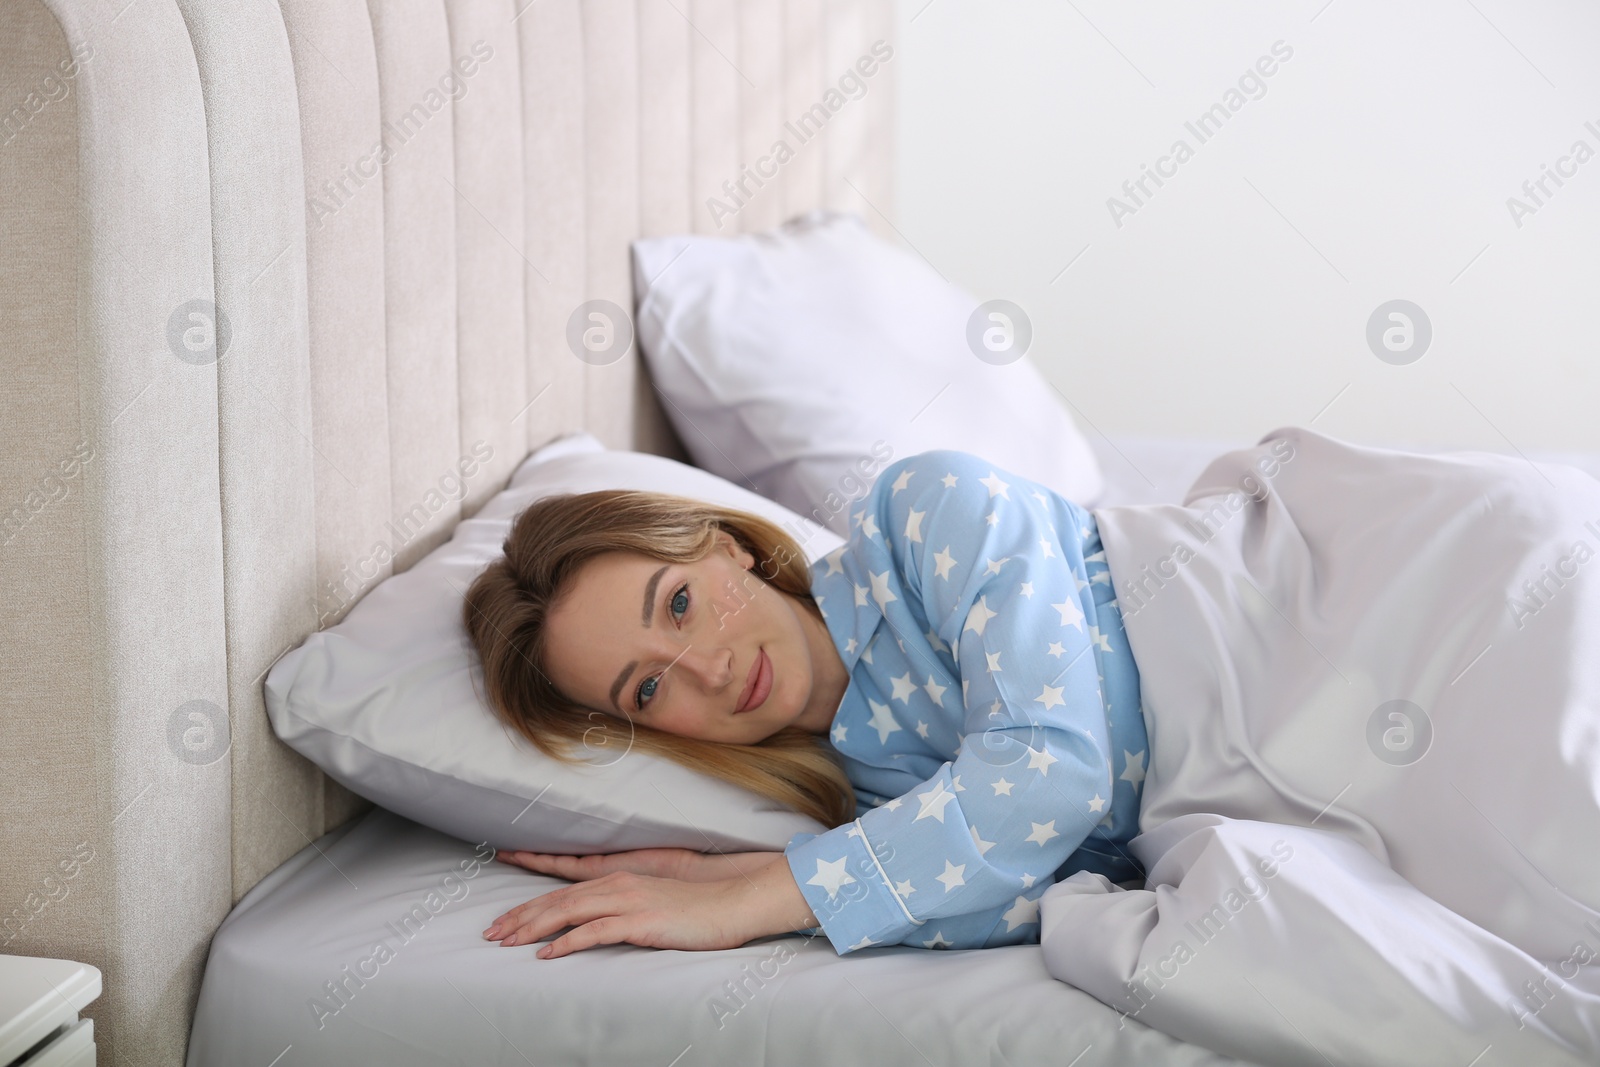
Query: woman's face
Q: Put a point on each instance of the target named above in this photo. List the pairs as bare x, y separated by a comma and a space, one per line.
679, 646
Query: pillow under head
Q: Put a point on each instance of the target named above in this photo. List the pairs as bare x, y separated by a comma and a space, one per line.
387, 701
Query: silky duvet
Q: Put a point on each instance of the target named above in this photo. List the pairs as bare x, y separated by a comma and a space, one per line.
1371, 819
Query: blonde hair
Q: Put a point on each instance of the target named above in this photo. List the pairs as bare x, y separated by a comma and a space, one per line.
508, 607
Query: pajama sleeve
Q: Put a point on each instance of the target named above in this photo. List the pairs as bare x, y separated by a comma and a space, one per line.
961, 859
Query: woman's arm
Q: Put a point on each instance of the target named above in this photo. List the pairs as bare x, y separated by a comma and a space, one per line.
681, 863
761, 898
777, 905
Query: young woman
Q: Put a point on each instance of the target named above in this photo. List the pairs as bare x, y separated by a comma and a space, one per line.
951, 691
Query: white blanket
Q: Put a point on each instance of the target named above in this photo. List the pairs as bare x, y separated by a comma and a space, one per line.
1371, 819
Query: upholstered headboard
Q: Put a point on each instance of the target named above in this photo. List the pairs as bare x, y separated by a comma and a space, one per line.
284, 294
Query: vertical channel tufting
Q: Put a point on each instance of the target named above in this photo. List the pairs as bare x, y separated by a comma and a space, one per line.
398, 285
415, 69
844, 40
802, 90
491, 322
611, 215
665, 203
760, 114
112, 576
714, 119
662, 91
551, 49
330, 42
266, 458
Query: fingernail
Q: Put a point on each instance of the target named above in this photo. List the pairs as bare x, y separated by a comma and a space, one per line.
512, 940
490, 932
543, 953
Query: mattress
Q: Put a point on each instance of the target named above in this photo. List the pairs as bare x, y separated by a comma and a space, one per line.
365, 947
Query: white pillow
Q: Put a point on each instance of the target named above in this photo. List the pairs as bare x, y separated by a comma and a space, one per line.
803, 360
384, 701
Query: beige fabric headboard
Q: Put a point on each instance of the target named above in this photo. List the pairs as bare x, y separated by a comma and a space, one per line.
173, 517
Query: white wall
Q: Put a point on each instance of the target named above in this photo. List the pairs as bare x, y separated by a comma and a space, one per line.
1376, 164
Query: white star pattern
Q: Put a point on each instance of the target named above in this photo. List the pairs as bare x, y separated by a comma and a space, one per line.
1022, 912
881, 591
952, 875
882, 582
1071, 613
914, 526
1099, 639
882, 720
831, 876
978, 617
1133, 767
933, 802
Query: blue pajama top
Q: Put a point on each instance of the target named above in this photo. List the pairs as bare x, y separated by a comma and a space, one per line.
991, 728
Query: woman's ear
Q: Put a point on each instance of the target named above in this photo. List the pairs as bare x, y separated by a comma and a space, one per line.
735, 549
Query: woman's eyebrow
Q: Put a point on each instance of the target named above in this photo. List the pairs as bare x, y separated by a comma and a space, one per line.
650, 594
644, 620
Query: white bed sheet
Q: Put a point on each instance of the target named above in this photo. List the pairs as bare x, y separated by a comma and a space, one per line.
443, 995
446, 996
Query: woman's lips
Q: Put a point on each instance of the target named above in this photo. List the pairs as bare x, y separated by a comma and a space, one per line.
759, 683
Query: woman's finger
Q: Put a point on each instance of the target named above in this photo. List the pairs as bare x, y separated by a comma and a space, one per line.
572, 868
569, 906
607, 930
520, 914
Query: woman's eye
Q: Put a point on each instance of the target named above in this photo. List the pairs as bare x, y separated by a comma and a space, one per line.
648, 687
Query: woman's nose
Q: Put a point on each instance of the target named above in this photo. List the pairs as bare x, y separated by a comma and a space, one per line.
713, 665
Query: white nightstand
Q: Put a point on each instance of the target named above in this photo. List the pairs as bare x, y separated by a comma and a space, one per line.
39, 1004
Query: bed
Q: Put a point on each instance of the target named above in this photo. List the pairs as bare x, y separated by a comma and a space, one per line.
446, 996
296, 970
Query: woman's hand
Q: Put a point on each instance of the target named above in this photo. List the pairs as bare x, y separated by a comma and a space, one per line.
680, 863
637, 908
